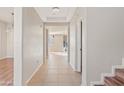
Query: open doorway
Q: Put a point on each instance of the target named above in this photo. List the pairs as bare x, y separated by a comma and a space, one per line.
6, 46
57, 41
57, 68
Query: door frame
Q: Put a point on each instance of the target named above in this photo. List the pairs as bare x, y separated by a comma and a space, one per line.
45, 48
17, 80
81, 44
84, 49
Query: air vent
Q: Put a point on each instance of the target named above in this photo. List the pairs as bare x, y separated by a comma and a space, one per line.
56, 18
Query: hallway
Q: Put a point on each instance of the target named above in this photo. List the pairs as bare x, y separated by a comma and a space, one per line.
56, 71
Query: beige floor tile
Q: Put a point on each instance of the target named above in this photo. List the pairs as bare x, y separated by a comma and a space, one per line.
56, 72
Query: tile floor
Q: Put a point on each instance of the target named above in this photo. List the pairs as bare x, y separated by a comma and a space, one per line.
56, 72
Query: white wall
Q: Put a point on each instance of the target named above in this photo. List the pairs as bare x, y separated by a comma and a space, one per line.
73, 43
6, 41
10, 42
32, 42
56, 44
105, 31
3, 40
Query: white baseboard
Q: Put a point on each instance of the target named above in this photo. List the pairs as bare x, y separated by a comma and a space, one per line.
83, 83
78, 69
96, 82
2, 58
74, 69
33, 73
5, 57
9, 57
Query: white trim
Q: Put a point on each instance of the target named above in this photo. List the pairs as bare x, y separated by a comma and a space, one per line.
96, 82
68, 43
106, 74
84, 47
83, 83
9, 57
5, 57
73, 67
18, 46
122, 61
117, 67
33, 73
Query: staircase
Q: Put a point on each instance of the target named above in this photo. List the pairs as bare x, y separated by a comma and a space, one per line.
116, 78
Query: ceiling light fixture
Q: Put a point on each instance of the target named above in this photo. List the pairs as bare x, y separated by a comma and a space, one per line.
55, 9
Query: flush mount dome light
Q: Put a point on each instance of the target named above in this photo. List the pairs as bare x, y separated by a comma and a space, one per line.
56, 9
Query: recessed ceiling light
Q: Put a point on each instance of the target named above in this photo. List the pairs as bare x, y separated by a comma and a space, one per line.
55, 9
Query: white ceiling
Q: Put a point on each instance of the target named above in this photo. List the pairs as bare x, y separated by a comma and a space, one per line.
5, 14
47, 15
61, 30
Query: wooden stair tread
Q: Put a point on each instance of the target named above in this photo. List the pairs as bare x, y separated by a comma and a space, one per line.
120, 74
120, 79
120, 70
113, 81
